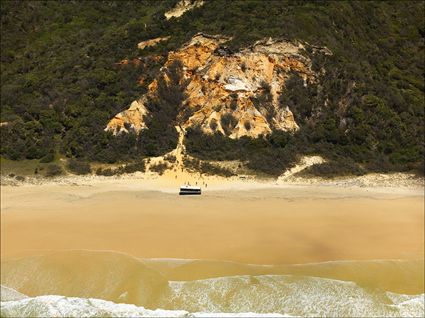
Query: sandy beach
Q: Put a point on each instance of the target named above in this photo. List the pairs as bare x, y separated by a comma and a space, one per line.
134, 240
248, 222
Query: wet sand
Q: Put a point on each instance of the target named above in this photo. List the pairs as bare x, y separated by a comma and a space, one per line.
257, 225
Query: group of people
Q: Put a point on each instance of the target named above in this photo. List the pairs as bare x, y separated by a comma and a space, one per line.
196, 183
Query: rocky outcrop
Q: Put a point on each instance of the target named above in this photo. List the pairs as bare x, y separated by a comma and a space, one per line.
236, 94
132, 118
151, 42
181, 7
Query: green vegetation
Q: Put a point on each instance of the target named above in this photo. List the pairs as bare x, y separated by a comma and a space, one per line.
170, 158
269, 155
61, 81
128, 168
22, 167
196, 165
228, 122
366, 111
53, 170
159, 167
26, 167
135, 166
79, 167
333, 169
161, 137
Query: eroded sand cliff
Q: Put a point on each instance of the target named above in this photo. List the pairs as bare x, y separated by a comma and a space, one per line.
236, 94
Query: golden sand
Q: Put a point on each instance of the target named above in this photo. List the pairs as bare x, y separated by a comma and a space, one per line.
54, 237
282, 225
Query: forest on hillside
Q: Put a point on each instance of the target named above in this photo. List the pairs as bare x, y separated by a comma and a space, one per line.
61, 81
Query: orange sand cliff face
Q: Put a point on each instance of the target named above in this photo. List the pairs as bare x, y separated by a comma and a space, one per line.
132, 118
243, 86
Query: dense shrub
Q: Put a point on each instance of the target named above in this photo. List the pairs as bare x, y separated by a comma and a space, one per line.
61, 81
195, 165
105, 172
271, 155
78, 167
213, 124
159, 168
211, 169
53, 170
134, 167
228, 123
161, 137
48, 158
170, 158
333, 169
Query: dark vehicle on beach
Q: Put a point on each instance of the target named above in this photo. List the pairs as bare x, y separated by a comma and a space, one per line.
190, 190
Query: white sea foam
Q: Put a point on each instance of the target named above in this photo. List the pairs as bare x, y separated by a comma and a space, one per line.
132, 281
8, 294
237, 296
59, 306
408, 305
293, 295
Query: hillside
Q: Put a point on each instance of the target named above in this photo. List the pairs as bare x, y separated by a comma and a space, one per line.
261, 82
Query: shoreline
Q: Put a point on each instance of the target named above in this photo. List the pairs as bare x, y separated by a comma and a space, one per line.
250, 221
341, 232
372, 272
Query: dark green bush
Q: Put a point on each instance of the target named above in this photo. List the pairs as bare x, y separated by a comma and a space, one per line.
78, 167
213, 124
170, 158
271, 155
105, 172
53, 170
195, 165
228, 123
133, 167
48, 158
333, 169
211, 169
61, 83
159, 168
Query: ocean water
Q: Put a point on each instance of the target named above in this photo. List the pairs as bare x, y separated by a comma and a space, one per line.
108, 284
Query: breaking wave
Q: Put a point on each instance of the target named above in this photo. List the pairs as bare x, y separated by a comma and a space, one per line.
296, 296
60, 306
105, 284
